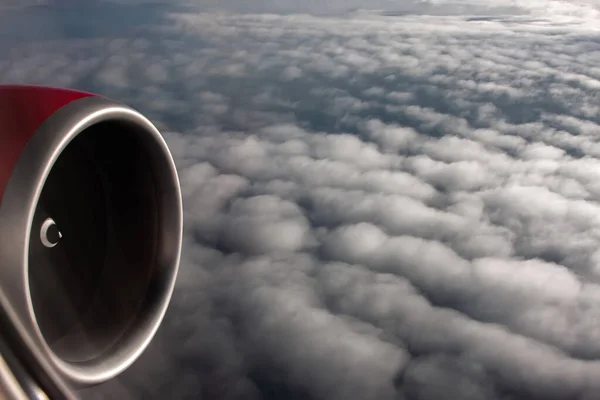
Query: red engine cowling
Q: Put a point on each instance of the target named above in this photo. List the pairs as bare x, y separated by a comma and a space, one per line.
90, 231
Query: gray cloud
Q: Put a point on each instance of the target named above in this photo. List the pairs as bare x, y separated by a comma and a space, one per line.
376, 207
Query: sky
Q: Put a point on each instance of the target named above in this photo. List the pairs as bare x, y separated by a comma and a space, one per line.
398, 201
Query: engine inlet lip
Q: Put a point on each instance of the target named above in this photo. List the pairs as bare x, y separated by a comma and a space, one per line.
16, 217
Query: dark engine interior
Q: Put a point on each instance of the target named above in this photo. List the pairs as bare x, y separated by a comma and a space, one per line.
91, 266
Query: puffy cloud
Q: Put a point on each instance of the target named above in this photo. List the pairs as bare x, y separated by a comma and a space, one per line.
378, 207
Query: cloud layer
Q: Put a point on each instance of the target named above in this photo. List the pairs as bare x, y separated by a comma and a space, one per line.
376, 207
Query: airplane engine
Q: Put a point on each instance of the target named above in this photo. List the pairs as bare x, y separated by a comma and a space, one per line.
90, 233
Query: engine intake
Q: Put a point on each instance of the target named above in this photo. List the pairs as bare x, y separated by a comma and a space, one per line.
90, 240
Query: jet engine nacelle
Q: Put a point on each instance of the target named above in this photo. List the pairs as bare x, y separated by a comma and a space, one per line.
90, 232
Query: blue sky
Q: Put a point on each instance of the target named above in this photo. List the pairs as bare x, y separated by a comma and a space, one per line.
397, 201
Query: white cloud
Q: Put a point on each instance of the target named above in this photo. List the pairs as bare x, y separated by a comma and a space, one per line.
376, 207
